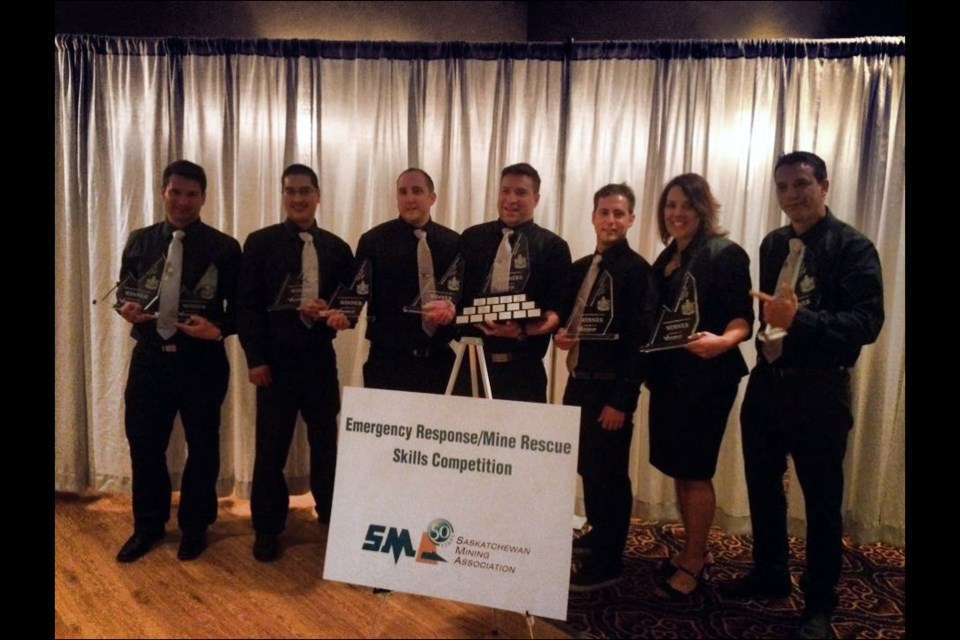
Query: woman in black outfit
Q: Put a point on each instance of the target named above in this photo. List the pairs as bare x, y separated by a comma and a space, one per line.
692, 389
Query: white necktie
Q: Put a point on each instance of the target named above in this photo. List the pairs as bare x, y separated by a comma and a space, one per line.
170, 287
582, 296
310, 269
500, 279
309, 272
425, 277
773, 349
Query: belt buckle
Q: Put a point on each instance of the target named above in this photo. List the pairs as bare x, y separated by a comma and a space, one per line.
500, 358
168, 348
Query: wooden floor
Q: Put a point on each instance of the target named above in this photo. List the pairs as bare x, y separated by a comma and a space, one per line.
227, 594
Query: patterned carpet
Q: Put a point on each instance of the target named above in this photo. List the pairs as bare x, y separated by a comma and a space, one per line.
871, 594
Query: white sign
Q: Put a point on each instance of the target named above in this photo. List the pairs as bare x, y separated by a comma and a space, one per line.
459, 498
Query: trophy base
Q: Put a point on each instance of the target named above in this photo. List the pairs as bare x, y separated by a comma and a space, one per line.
662, 347
417, 309
772, 334
595, 336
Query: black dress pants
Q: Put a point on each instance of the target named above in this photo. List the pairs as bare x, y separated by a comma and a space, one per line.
306, 383
405, 371
603, 465
523, 379
806, 414
191, 381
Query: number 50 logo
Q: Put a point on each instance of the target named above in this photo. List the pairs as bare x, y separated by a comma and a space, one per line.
440, 531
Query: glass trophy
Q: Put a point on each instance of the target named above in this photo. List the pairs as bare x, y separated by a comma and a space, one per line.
289, 294
447, 288
789, 273
196, 302
675, 326
349, 300
144, 290
591, 318
512, 304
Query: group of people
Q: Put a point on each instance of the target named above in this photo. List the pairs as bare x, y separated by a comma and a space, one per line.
797, 401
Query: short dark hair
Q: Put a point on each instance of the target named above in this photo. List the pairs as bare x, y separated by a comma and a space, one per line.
804, 157
301, 170
523, 169
185, 169
696, 188
425, 175
621, 189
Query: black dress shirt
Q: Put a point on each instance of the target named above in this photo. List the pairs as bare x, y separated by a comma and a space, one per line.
203, 246
391, 248
269, 256
840, 292
634, 306
548, 286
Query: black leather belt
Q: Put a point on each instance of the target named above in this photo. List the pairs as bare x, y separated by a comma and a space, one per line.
154, 347
593, 375
186, 347
513, 356
421, 353
799, 372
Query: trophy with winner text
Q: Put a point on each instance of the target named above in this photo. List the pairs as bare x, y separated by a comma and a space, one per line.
675, 326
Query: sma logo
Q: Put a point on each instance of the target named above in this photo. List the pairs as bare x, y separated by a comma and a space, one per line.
397, 541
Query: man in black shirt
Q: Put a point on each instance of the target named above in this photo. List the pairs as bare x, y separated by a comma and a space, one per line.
616, 286
289, 352
179, 363
514, 350
798, 398
409, 351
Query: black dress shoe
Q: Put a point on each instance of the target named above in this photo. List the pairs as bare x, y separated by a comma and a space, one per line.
592, 576
266, 547
192, 545
582, 546
814, 624
757, 585
137, 546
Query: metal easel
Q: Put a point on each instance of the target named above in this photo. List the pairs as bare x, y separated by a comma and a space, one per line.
474, 346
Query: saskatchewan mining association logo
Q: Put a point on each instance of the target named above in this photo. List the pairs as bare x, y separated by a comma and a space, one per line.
383, 539
466, 552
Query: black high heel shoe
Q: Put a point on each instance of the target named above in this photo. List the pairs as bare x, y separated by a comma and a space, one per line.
668, 591
666, 568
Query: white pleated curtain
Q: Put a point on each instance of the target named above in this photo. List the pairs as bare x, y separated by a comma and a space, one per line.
125, 108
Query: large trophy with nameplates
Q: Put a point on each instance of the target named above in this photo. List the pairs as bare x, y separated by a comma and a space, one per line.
499, 302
